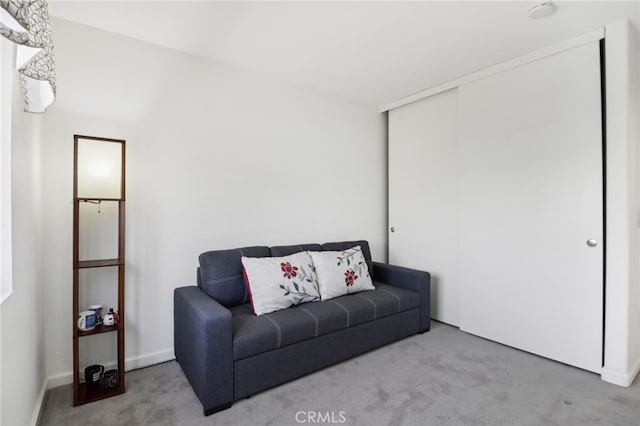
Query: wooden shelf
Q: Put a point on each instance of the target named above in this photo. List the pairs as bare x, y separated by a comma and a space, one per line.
82, 393
101, 328
89, 199
98, 263
88, 394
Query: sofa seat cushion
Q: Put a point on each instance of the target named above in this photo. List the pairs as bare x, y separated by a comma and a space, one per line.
253, 334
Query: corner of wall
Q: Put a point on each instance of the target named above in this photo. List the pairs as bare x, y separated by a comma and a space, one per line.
622, 321
620, 378
634, 195
37, 411
22, 348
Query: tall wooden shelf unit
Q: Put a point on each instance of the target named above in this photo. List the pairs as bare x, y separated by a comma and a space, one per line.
83, 394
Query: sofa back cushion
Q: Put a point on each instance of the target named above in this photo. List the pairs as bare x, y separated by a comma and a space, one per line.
348, 244
280, 251
220, 274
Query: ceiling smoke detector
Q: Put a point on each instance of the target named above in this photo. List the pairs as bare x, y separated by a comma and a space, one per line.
541, 10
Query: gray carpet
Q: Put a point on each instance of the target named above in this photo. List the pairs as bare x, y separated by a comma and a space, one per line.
443, 377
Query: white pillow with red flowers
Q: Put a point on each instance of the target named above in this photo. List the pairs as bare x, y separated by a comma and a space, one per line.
278, 282
341, 272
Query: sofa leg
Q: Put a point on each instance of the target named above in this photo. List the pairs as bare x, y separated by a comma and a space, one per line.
210, 411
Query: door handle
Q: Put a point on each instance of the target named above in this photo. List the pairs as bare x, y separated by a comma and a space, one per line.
591, 242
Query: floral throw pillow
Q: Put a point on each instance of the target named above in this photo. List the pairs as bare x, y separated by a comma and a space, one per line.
341, 272
278, 282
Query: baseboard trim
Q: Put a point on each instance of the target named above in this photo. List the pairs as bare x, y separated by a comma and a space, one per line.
35, 418
148, 360
132, 363
59, 380
620, 378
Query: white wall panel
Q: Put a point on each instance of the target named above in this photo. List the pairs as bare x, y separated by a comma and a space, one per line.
423, 195
531, 196
495, 193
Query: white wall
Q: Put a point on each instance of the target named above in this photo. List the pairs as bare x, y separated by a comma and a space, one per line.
21, 315
217, 158
622, 308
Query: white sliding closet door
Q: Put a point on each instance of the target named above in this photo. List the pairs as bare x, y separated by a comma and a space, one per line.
530, 198
423, 195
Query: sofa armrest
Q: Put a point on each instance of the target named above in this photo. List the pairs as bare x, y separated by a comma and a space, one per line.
409, 279
203, 346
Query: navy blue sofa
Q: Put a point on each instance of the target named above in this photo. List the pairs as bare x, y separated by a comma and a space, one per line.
227, 353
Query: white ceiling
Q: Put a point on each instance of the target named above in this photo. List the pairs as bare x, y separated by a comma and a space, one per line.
374, 52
